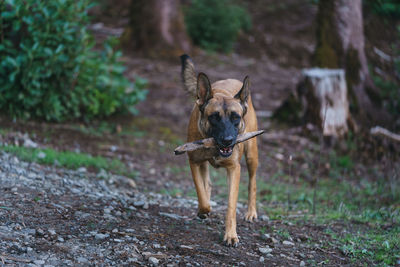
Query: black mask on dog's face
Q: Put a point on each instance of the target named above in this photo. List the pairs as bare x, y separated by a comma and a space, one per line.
224, 129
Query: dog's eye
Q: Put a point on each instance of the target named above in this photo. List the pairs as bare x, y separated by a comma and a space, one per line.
235, 117
214, 117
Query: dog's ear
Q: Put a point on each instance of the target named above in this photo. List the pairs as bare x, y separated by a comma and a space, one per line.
204, 92
244, 93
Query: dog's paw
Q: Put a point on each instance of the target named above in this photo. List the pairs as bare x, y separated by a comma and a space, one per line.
204, 213
231, 240
251, 216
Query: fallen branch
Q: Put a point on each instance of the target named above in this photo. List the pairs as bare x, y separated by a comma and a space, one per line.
11, 258
209, 142
377, 130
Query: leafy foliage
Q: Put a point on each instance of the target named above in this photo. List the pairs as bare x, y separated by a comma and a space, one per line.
49, 69
389, 8
214, 25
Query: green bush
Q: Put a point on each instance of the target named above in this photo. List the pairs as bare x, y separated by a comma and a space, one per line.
214, 25
49, 69
389, 8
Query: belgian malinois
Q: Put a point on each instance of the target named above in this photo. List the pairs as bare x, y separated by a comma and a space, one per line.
222, 110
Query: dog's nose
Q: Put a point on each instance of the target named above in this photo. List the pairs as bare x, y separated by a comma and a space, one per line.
227, 141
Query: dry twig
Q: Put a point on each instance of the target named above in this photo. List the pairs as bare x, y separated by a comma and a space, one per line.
11, 258
209, 142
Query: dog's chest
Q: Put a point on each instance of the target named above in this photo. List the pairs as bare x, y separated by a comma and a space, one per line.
216, 162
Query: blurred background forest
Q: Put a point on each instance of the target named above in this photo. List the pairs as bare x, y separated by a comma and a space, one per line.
97, 84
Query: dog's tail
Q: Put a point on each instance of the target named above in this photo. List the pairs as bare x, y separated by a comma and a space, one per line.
189, 78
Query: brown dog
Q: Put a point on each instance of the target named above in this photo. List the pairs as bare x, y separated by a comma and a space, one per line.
222, 111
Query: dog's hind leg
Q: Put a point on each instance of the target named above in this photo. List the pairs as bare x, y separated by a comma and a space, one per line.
201, 180
251, 155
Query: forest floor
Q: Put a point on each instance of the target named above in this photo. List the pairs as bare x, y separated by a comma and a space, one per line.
112, 192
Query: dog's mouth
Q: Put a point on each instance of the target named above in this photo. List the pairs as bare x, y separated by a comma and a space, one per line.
225, 151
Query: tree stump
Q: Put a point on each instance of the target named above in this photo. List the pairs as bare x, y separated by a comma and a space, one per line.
324, 95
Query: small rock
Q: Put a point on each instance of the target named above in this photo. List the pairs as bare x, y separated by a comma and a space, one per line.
213, 203
30, 231
101, 236
107, 211
60, 239
39, 232
39, 262
288, 243
82, 260
82, 169
265, 250
261, 259
41, 155
52, 232
186, 247
154, 261
170, 215
139, 203
29, 143
264, 218
302, 264
279, 156
132, 183
156, 246
146, 206
102, 174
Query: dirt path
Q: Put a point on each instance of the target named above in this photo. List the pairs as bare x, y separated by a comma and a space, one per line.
57, 217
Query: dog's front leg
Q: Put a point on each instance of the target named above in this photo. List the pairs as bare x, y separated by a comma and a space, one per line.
231, 237
203, 188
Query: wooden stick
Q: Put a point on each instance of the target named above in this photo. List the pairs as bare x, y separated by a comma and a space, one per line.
382, 131
11, 258
209, 142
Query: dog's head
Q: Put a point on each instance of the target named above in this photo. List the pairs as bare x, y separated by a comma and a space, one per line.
222, 117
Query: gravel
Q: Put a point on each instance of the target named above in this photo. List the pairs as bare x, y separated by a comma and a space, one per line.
27, 240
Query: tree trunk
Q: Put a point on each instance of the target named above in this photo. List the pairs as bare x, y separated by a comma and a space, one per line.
156, 28
340, 44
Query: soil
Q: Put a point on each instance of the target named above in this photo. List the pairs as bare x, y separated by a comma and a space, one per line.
146, 142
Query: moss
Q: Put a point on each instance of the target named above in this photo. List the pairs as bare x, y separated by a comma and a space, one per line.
329, 50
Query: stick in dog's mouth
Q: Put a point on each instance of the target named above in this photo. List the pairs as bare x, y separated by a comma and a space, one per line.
209, 142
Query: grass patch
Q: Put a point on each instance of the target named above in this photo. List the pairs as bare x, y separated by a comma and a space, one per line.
375, 246
67, 159
367, 204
